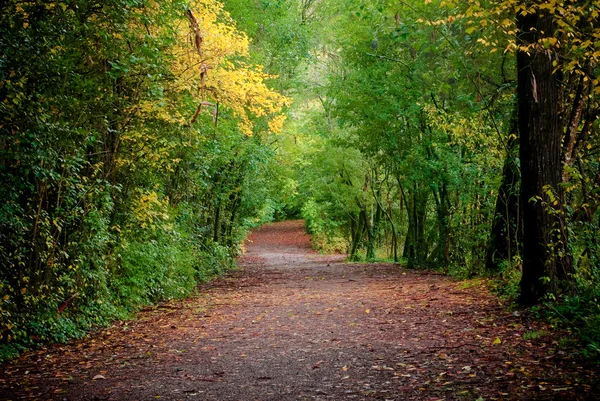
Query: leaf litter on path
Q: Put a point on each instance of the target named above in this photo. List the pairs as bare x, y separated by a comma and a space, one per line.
295, 325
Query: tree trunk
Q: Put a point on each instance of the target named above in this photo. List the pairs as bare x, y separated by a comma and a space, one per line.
540, 128
506, 227
441, 253
415, 246
357, 237
409, 247
370, 232
420, 216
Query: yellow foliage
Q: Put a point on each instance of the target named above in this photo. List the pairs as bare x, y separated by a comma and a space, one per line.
206, 68
469, 133
149, 210
209, 74
576, 27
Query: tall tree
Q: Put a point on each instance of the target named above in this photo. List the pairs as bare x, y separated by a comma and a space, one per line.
540, 127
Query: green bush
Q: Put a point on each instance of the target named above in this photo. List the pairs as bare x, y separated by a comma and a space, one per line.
327, 234
580, 314
153, 271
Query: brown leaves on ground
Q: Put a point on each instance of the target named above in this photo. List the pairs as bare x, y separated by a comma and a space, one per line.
295, 325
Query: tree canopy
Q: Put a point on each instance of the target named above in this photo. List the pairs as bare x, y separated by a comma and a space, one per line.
141, 140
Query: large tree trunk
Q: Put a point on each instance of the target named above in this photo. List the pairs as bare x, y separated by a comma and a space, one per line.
540, 128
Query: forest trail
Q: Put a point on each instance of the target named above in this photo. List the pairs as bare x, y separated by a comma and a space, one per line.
296, 325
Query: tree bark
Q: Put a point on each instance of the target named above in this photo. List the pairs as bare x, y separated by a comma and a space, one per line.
541, 129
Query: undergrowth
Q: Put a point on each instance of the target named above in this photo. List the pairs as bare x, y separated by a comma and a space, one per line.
577, 312
580, 314
148, 273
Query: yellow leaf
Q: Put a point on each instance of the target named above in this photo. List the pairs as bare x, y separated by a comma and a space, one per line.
368, 311
497, 341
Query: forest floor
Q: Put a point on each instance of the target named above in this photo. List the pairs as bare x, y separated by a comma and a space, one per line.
291, 324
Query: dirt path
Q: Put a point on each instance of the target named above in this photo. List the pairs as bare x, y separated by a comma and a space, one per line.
294, 325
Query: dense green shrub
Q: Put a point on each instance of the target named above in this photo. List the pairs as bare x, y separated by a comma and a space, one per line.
326, 234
